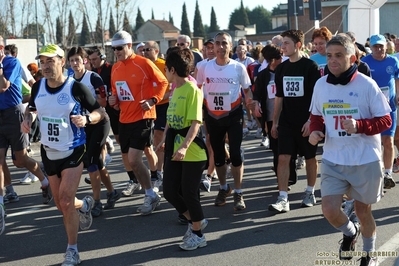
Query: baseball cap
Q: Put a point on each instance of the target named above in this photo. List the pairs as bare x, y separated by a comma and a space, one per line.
139, 45
209, 41
377, 39
50, 50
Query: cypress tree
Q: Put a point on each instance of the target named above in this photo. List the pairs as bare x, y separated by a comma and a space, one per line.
71, 29
58, 30
139, 19
214, 24
199, 30
185, 26
112, 28
170, 19
98, 36
85, 33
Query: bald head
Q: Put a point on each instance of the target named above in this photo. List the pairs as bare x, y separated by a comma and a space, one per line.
151, 50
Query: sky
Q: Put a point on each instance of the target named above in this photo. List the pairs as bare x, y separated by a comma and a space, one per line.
222, 8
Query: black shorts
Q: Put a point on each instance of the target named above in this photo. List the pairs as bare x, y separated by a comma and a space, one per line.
55, 167
114, 119
160, 122
95, 139
290, 141
136, 135
10, 128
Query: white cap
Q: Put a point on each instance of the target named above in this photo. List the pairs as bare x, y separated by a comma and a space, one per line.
121, 37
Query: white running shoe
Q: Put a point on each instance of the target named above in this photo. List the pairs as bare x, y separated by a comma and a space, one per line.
259, 134
110, 145
28, 179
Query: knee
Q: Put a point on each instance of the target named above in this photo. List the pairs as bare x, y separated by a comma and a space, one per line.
284, 159
330, 212
65, 203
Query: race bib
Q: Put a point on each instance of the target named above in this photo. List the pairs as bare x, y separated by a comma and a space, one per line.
293, 86
57, 129
333, 117
271, 90
385, 91
124, 94
219, 101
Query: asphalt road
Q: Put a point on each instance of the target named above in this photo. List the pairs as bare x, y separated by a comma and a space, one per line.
35, 233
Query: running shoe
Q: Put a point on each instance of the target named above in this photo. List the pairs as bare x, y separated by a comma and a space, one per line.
204, 224
28, 179
2, 218
110, 145
149, 204
348, 245
282, 205
46, 194
193, 242
238, 202
309, 199
368, 261
85, 218
71, 258
301, 163
10, 198
97, 209
395, 167
258, 134
222, 195
388, 181
130, 188
112, 198
205, 183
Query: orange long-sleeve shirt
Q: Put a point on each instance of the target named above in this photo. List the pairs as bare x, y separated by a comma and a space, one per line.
132, 80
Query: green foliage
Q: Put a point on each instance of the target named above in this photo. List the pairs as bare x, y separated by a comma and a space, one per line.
185, 25
199, 30
139, 19
261, 17
58, 30
112, 28
30, 30
214, 24
152, 13
277, 11
171, 19
71, 29
239, 17
98, 35
85, 33
126, 24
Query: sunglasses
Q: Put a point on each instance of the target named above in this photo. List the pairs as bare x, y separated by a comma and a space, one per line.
118, 48
147, 49
181, 44
314, 51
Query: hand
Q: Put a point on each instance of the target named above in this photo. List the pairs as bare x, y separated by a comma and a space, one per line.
79, 120
112, 100
250, 103
349, 125
179, 154
274, 131
306, 129
258, 111
145, 105
160, 147
26, 125
315, 137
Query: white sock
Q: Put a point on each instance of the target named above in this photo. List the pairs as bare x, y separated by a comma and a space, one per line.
310, 189
283, 194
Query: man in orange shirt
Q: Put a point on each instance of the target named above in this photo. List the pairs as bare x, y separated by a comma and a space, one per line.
151, 51
133, 80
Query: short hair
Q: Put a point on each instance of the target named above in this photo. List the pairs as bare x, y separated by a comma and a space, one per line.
221, 33
344, 41
12, 48
295, 35
271, 52
95, 49
155, 44
185, 37
182, 61
172, 49
77, 50
323, 33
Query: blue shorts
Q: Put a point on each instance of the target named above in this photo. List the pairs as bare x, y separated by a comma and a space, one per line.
391, 131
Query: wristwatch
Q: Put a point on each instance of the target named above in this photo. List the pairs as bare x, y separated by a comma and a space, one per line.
154, 100
1, 66
88, 119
